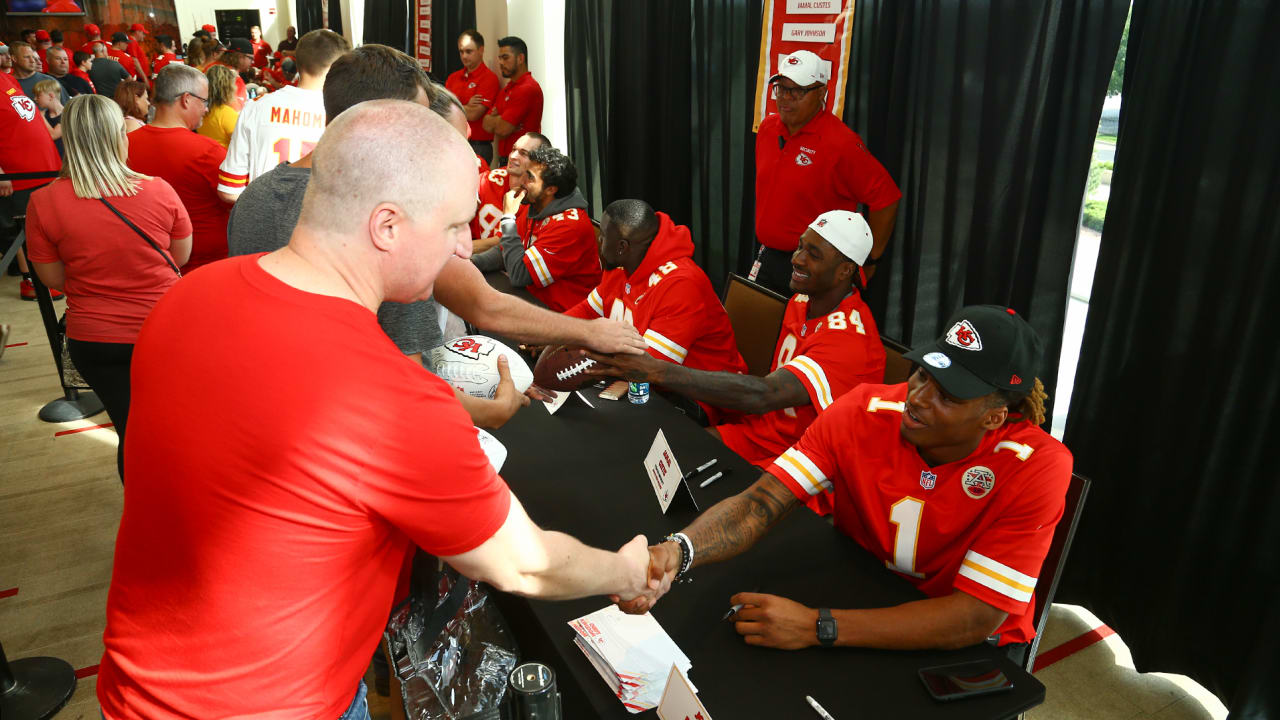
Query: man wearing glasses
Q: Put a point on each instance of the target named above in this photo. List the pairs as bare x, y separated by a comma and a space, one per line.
167, 148
809, 162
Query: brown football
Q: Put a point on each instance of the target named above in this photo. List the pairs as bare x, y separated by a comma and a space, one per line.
561, 368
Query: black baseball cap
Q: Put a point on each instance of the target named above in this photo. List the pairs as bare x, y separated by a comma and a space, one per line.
985, 348
119, 37
240, 45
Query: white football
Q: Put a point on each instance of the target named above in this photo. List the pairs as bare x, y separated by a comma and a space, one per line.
470, 363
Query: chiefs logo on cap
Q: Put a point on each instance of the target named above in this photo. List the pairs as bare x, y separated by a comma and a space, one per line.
1015, 380
822, 223
793, 61
977, 481
964, 336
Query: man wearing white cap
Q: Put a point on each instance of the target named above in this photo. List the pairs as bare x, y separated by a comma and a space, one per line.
808, 162
828, 346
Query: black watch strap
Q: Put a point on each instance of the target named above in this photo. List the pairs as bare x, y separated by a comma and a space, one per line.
827, 629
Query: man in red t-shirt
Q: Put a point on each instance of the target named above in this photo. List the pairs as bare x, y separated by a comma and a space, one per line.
828, 345
652, 283
495, 184
94, 35
119, 52
25, 146
477, 87
945, 478
519, 106
261, 48
809, 162
138, 35
259, 585
553, 252
188, 161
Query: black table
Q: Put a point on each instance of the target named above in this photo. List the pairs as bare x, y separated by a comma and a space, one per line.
581, 472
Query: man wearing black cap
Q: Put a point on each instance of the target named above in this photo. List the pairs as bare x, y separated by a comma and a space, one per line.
946, 478
119, 51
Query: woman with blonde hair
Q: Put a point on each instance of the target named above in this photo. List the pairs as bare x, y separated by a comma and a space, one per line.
224, 106
131, 96
112, 240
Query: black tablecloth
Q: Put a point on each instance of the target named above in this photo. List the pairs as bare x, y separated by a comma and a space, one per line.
581, 471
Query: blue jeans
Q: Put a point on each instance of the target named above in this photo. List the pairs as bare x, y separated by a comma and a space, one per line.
357, 710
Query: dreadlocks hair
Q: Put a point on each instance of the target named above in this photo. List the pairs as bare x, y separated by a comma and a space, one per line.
1023, 406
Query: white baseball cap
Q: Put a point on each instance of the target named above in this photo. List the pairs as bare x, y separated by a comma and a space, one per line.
846, 231
802, 67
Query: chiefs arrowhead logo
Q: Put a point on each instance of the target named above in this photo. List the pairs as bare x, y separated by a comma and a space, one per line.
1015, 380
803, 160
822, 222
24, 106
964, 336
793, 61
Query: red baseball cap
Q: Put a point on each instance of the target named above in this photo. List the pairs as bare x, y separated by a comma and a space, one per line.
92, 29
137, 27
42, 35
209, 29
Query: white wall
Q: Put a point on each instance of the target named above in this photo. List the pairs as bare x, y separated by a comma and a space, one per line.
194, 13
540, 23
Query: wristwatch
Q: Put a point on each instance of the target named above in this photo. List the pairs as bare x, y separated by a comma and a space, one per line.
826, 628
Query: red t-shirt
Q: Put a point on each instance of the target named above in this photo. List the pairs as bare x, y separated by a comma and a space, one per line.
981, 525
135, 50
483, 82
259, 584
519, 103
158, 64
125, 60
88, 47
114, 277
829, 355
189, 162
25, 145
561, 256
822, 167
261, 53
671, 303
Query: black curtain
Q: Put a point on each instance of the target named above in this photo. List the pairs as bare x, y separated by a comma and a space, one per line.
386, 22
448, 19
335, 16
1174, 410
659, 100
985, 115
308, 16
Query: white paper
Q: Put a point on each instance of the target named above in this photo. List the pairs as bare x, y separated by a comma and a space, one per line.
493, 448
679, 701
632, 653
663, 471
814, 7
809, 32
554, 405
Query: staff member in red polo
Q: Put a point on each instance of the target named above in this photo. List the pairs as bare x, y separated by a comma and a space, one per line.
809, 162
477, 88
519, 106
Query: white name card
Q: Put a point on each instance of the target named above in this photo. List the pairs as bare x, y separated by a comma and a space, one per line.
663, 471
809, 32
814, 7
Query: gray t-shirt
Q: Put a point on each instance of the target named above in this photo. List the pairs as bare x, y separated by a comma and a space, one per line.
262, 220
29, 84
106, 74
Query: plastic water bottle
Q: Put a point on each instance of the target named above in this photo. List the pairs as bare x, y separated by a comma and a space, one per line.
638, 393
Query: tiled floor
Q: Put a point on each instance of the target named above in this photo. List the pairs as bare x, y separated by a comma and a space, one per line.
60, 504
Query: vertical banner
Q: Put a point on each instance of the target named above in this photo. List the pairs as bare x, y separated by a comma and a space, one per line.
423, 43
819, 26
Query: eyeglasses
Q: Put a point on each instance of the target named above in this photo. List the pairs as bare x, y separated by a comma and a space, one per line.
204, 100
793, 93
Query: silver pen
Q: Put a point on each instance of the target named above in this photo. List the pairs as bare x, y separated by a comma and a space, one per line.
711, 479
819, 709
689, 475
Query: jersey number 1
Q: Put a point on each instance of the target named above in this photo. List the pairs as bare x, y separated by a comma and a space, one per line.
906, 514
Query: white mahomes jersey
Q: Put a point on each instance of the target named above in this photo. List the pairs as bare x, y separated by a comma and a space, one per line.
279, 127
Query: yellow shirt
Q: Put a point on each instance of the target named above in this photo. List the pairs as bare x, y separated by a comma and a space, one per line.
219, 123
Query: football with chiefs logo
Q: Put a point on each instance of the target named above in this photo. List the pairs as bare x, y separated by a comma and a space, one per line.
470, 364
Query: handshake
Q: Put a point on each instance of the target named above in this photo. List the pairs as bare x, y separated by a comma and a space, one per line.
650, 572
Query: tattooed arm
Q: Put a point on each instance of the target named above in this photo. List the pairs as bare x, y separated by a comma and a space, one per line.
727, 529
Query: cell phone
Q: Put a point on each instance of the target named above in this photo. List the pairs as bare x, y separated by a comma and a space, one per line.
967, 679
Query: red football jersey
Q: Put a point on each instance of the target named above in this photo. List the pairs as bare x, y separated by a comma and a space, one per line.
493, 185
830, 355
561, 257
671, 303
981, 525
161, 60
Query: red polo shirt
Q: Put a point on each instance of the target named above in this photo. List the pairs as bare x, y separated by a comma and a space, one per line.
261, 53
483, 82
825, 166
519, 103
